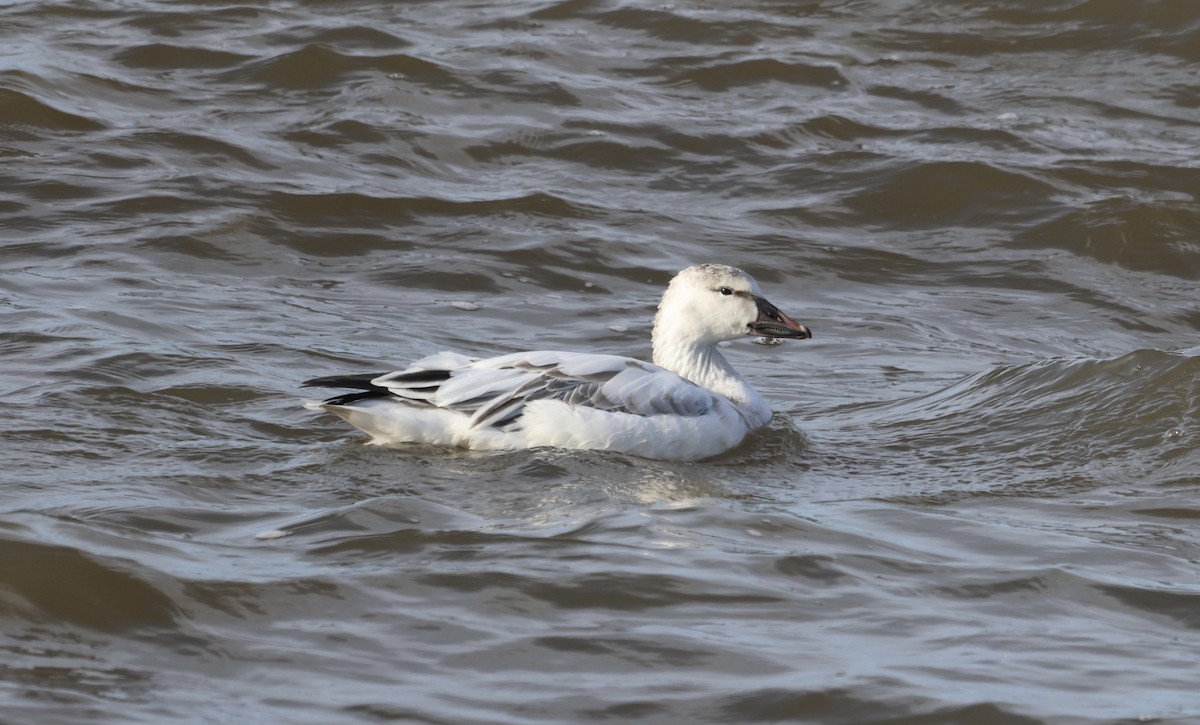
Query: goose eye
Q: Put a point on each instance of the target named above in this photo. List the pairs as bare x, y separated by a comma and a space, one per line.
725, 291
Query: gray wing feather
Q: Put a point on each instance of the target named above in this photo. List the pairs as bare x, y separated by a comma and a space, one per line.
495, 391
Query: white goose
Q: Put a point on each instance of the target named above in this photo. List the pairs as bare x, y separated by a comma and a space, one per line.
690, 404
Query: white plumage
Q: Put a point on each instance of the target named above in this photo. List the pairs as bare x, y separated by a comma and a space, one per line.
690, 404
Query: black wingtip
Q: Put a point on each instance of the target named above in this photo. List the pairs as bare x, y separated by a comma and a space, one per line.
353, 382
350, 398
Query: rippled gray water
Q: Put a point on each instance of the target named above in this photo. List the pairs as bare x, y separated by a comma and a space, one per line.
977, 502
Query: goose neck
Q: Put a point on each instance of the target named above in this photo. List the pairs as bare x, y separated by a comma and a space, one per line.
704, 365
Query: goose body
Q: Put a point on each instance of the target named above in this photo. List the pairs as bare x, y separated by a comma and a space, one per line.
687, 405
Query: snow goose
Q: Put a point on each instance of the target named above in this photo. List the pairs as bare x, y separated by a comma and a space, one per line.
690, 404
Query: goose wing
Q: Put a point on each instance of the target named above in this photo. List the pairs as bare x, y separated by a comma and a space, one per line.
495, 391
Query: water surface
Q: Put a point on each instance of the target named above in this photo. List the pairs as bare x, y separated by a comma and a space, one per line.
976, 503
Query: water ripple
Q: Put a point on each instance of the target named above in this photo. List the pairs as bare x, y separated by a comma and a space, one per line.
985, 211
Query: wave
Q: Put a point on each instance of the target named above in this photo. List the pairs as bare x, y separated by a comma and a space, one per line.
1046, 428
936, 194
20, 109
162, 56
722, 76
1141, 235
93, 592
353, 209
317, 65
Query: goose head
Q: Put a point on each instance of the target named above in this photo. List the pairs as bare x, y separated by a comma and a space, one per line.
710, 303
